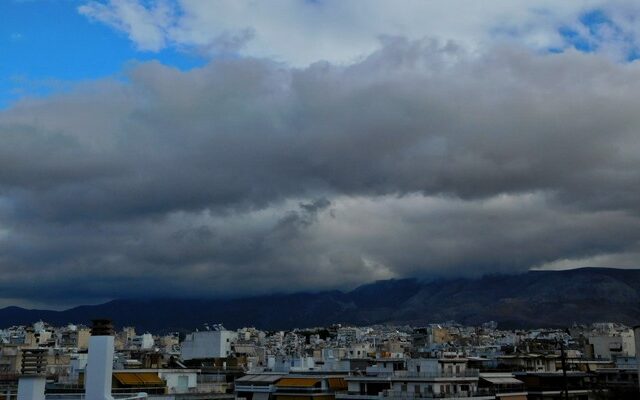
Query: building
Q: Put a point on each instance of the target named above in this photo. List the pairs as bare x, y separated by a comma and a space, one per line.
256, 386
423, 378
207, 344
551, 385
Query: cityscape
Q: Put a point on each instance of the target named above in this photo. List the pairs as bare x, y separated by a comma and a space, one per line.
446, 360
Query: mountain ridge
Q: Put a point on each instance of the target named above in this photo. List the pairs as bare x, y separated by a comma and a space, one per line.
530, 299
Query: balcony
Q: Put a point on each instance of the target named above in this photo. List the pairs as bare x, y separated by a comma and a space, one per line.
80, 396
467, 373
396, 394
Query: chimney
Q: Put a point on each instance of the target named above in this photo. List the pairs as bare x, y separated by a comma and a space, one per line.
97, 381
32, 382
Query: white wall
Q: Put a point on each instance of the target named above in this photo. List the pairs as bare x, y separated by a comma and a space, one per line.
207, 344
173, 379
144, 341
604, 347
99, 368
427, 365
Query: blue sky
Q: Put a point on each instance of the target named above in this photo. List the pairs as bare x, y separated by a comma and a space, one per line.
47, 45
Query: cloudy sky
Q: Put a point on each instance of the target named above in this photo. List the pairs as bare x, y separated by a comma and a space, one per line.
207, 148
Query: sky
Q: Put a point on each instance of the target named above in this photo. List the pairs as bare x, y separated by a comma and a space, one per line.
230, 148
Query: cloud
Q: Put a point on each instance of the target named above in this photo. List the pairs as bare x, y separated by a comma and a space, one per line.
248, 175
301, 32
145, 25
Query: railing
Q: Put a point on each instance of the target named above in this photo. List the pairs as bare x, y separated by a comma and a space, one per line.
396, 394
500, 390
211, 378
467, 373
80, 396
77, 389
414, 395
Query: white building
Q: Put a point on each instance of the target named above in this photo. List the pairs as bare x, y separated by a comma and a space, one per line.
607, 347
143, 342
347, 335
424, 378
360, 350
286, 364
207, 344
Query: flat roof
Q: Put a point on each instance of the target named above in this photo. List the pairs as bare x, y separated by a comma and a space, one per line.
502, 380
259, 378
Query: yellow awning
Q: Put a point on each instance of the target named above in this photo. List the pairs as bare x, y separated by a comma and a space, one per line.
297, 382
138, 379
150, 378
337, 384
127, 378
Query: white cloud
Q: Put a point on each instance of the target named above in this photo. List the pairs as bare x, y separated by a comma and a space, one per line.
302, 32
146, 26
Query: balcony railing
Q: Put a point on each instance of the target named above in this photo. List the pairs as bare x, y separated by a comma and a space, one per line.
467, 373
396, 394
80, 396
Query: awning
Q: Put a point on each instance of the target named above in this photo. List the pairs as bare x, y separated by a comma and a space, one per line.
257, 379
297, 382
150, 378
337, 384
138, 379
503, 380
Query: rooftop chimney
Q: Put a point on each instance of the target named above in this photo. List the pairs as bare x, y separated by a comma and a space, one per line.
97, 382
31, 384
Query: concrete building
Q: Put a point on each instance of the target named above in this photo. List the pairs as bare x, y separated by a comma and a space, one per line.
424, 378
207, 344
532, 362
143, 342
608, 347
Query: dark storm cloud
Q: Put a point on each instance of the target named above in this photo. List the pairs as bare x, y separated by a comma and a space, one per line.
249, 176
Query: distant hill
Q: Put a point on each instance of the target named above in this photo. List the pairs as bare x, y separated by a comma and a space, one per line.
532, 299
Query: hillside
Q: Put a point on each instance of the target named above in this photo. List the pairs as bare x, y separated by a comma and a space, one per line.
535, 298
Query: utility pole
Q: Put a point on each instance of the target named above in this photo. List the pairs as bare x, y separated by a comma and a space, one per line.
563, 360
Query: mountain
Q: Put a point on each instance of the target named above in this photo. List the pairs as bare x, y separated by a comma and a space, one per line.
532, 299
